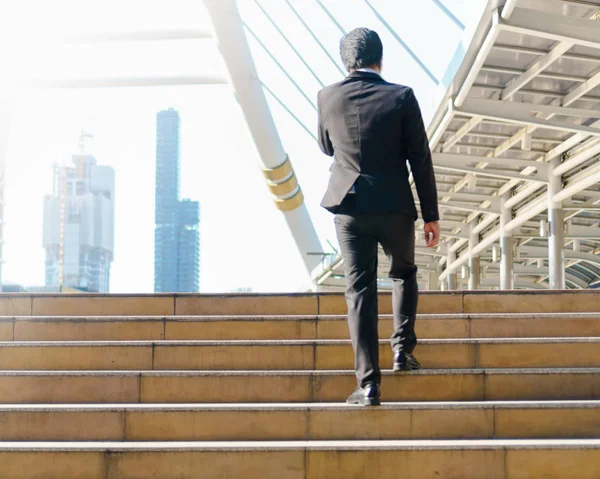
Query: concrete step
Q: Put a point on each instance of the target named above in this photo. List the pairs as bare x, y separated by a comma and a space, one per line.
34, 387
428, 326
292, 355
284, 304
453, 459
314, 421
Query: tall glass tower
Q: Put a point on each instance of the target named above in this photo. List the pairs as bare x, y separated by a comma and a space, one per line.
176, 234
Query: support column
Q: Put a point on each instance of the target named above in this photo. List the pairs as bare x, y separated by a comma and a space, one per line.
474, 263
556, 238
474, 273
507, 272
432, 276
277, 168
452, 277
432, 281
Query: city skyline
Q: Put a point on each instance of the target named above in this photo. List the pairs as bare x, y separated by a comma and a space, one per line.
218, 157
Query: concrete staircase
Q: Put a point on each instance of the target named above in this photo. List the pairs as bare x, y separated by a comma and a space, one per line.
251, 386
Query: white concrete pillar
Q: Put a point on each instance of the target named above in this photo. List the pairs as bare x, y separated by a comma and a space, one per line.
433, 275
452, 277
277, 168
507, 273
556, 237
432, 281
474, 273
474, 264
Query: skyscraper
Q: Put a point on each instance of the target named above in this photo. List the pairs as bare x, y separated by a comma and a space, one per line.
79, 224
176, 234
188, 246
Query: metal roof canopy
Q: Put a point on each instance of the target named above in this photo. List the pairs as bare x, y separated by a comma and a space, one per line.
522, 113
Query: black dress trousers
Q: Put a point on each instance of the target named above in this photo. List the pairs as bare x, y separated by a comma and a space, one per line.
359, 236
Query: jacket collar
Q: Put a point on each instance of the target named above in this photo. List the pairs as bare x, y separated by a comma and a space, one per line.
363, 74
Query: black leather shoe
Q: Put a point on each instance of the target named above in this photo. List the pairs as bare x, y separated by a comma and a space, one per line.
365, 396
404, 361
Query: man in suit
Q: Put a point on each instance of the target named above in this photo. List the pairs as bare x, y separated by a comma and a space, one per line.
372, 127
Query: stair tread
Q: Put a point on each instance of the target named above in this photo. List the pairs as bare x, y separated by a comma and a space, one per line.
333, 406
293, 317
287, 342
417, 444
322, 372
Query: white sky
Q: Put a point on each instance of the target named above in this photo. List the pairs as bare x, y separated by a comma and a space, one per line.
244, 239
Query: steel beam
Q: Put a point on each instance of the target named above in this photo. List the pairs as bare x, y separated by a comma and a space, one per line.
463, 130
530, 210
528, 108
464, 207
535, 69
579, 207
490, 173
586, 178
575, 160
580, 3
551, 26
536, 252
484, 223
110, 82
503, 137
539, 52
423, 251
546, 74
468, 197
526, 193
480, 59
582, 89
516, 113
135, 36
509, 8
529, 91
462, 160
441, 129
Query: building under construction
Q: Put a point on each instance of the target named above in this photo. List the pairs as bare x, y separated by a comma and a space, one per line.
79, 224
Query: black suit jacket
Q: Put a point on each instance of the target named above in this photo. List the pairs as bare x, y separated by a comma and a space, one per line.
372, 127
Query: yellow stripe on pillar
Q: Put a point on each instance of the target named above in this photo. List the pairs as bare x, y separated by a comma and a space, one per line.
280, 172
291, 203
285, 187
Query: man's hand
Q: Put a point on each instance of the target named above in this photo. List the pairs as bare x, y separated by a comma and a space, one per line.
432, 234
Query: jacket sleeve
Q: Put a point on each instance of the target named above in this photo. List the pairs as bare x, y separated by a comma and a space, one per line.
416, 146
323, 134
